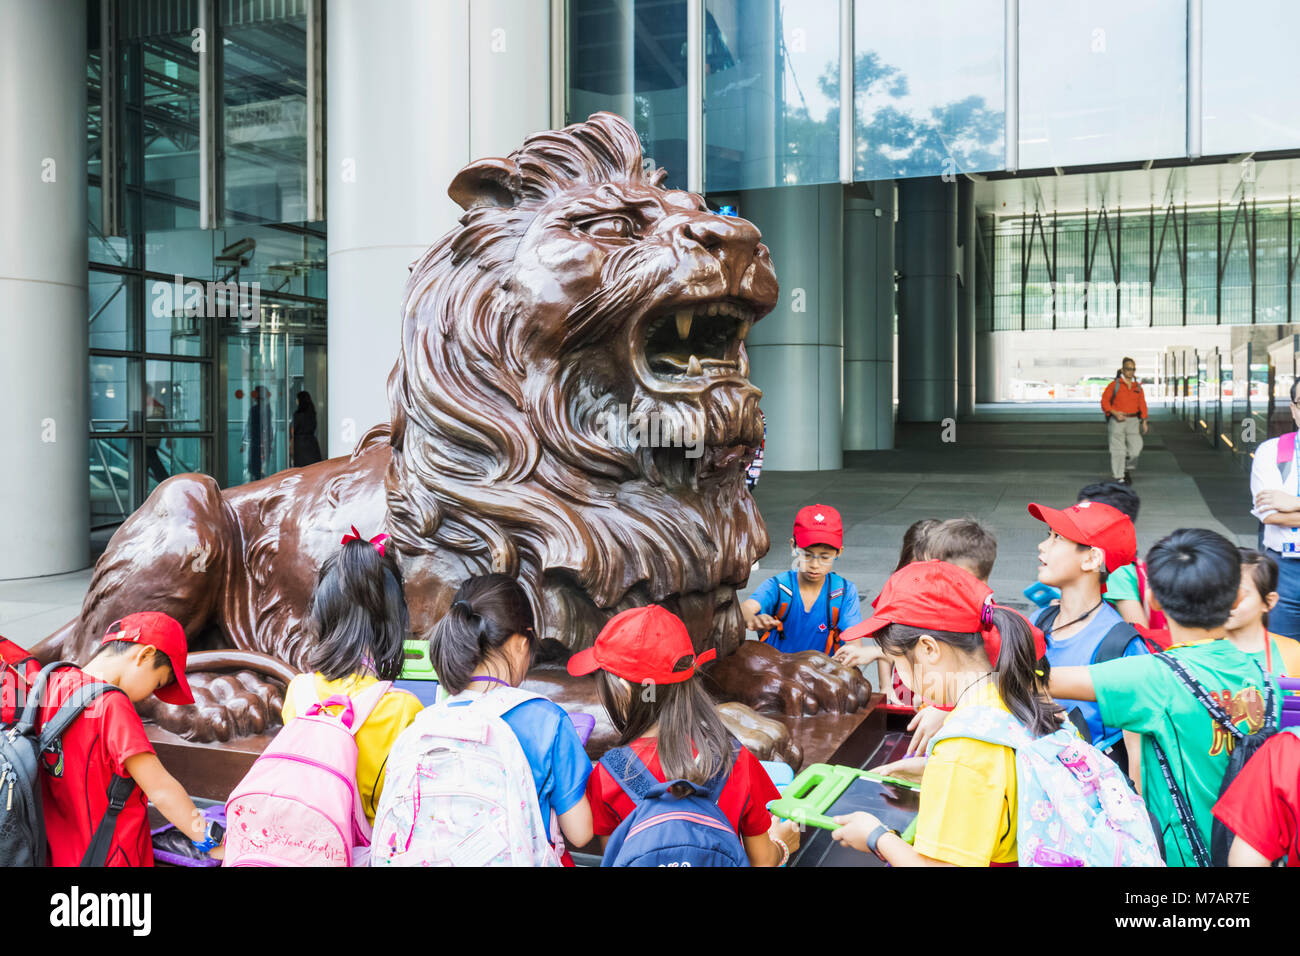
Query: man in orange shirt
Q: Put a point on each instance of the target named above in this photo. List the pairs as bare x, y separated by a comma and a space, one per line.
1126, 421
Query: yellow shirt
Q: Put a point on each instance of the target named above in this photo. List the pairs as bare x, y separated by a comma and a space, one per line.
375, 739
968, 796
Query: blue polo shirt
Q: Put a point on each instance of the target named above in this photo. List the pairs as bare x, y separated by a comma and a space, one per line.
1077, 650
807, 630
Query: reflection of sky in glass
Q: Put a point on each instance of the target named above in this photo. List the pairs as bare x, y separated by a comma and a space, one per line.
770, 117
1249, 76
1104, 81
928, 87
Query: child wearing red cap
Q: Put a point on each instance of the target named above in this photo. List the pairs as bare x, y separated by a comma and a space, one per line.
142, 654
1195, 578
1084, 543
809, 606
645, 668
953, 647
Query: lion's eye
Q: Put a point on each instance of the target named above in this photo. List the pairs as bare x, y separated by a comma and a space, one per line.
608, 227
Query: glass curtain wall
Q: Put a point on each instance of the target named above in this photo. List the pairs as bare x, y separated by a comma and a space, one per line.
1102, 81
771, 103
166, 296
629, 57
1229, 264
928, 95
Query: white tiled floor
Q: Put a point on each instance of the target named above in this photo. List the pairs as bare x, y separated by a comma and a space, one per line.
33, 608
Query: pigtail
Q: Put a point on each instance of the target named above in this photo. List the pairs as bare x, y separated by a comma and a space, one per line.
1022, 676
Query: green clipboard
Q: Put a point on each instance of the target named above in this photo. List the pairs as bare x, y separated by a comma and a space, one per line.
810, 798
415, 661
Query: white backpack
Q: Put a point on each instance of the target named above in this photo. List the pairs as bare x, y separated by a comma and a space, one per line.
459, 791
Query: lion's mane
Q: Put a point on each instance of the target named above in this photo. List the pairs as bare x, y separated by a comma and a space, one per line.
497, 454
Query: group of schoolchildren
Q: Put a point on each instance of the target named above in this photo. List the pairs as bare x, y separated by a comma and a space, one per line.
1167, 665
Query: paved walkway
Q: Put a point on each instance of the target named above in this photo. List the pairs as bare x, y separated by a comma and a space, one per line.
996, 466
1005, 458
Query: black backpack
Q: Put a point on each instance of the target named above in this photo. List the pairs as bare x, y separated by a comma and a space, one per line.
1244, 747
22, 824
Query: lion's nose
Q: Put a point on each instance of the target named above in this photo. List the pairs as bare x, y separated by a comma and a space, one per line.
724, 236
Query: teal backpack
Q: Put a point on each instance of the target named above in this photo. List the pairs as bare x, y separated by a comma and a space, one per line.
1076, 807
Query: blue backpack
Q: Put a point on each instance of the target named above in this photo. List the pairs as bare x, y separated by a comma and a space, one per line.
666, 830
1074, 805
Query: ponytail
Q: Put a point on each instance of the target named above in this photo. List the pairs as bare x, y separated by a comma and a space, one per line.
486, 612
1022, 676
358, 615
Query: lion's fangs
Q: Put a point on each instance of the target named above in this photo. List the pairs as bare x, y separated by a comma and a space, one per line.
684, 319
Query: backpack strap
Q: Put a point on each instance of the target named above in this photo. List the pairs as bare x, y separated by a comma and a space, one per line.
27, 722
1186, 820
119, 790
1004, 731
636, 780
364, 703
834, 602
630, 773
54, 728
1212, 706
1048, 618
1116, 641
785, 586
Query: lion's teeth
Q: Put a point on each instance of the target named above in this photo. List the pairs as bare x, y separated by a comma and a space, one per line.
693, 367
684, 319
713, 308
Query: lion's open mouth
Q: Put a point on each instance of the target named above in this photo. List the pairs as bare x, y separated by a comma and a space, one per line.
699, 340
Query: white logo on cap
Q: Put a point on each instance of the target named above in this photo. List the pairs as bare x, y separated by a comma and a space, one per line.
1083, 504
819, 517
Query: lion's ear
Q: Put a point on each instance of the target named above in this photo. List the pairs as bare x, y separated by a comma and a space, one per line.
486, 182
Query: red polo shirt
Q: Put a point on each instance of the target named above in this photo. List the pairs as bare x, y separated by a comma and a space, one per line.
95, 747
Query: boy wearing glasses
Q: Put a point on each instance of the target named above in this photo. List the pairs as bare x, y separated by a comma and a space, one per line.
809, 606
1274, 490
1126, 409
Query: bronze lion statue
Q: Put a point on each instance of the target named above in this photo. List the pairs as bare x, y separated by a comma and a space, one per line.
576, 295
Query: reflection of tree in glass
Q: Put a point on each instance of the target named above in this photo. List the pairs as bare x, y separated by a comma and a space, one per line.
965, 135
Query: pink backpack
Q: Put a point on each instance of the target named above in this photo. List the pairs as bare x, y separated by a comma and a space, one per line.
299, 805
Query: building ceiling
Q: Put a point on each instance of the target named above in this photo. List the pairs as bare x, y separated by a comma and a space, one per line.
1265, 180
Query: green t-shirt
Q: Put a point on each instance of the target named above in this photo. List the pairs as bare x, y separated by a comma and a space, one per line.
1122, 585
1143, 695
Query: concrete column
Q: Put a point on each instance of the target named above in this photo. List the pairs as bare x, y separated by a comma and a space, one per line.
927, 300
966, 297
400, 77
796, 353
869, 320
44, 484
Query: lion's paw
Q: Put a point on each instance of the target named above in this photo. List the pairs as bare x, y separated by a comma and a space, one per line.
801, 684
765, 738
242, 704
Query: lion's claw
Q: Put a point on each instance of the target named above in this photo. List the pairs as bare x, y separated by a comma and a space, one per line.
801, 684
242, 704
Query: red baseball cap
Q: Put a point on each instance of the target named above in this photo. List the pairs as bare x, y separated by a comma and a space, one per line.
818, 524
641, 644
1095, 525
942, 597
166, 634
